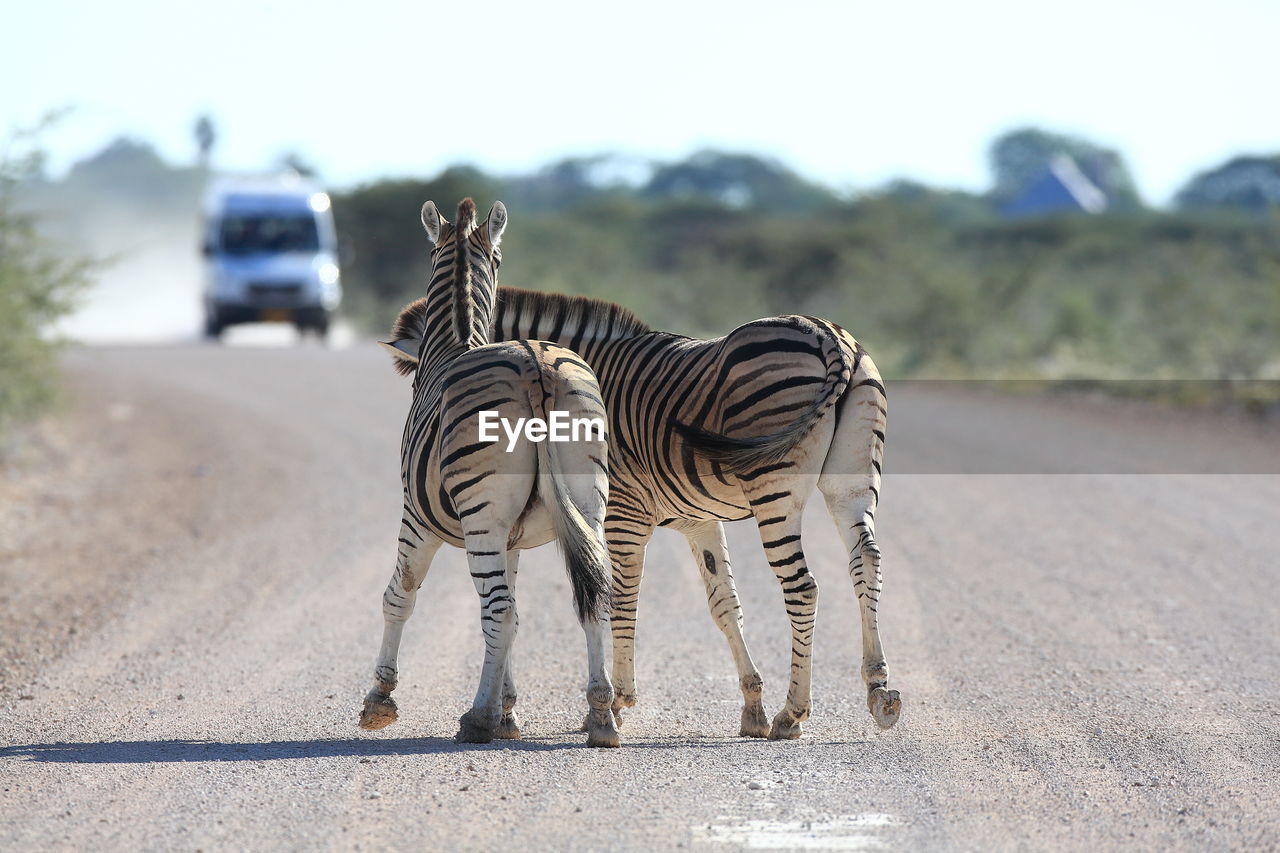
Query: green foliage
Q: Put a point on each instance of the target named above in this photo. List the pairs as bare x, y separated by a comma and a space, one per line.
37, 286
934, 283
737, 180
385, 250
1249, 184
1020, 156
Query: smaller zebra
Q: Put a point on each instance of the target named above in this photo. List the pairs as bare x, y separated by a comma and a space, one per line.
488, 498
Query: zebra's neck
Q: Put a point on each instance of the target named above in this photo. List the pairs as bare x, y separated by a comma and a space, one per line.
443, 322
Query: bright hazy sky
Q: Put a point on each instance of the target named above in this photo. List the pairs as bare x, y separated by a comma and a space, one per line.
851, 93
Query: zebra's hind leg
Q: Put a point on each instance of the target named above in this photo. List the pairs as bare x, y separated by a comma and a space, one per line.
415, 554
626, 553
850, 482
778, 516
509, 725
706, 541
602, 729
487, 561
855, 519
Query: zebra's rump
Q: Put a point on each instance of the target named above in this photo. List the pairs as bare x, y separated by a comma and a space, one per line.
766, 375
672, 399
445, 459
691, 420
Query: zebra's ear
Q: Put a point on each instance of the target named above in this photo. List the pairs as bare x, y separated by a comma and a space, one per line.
405, 351
496, 223
432, 221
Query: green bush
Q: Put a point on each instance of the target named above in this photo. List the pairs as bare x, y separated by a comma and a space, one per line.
934, 283
38, 284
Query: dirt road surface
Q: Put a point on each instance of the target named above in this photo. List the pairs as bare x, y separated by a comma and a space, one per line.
190, 584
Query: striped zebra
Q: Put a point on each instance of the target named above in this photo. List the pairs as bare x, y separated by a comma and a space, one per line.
475, 494
706, 431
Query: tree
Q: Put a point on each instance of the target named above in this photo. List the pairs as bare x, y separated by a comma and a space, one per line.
574, 181
737, 180
37, 286
294, 162
206, 136
380, 227
1020, 157
1244, 183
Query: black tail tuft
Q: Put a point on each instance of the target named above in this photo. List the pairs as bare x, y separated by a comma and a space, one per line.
584, 553
739, 455
592, 593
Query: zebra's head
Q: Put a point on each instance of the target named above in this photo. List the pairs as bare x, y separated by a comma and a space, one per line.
463, 289
465, 258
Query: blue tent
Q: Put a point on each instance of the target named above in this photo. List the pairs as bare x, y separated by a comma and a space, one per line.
1062, 188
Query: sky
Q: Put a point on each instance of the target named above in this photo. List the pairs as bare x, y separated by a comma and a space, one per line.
848, 93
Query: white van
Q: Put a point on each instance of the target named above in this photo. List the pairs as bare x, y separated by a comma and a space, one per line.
271, 255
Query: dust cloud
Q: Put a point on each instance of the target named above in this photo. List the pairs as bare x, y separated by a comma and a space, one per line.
148, 288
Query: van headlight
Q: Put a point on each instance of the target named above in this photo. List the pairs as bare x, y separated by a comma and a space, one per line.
328, 273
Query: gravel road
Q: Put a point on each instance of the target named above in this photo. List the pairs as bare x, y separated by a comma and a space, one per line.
190, 581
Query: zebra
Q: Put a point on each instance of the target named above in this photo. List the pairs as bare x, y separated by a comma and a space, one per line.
707, 431
475, 494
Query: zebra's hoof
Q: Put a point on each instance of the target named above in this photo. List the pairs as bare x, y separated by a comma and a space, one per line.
621, 701
601, 730
586, 721
754, 721
785, 727
885, 706
473, 729
508, 727
379, 711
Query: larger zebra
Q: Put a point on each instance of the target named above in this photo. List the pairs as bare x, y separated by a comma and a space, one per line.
704, 431
474, 493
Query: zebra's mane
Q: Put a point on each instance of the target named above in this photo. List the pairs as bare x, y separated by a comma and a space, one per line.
464, 309
601, 320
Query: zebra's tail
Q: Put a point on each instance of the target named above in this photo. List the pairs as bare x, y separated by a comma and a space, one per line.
737, 455
584, 553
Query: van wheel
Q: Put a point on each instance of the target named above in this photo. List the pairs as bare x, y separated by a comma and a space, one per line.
320, 330
318, 325
213, 327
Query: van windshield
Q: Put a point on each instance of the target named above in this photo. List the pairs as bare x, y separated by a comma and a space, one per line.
245, 234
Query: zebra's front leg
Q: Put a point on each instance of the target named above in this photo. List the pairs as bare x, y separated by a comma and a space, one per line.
509, 725
487, 560
415, 554
626, 552
706, 541
780, 532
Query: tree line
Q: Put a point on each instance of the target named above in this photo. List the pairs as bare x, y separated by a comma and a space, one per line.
936, 282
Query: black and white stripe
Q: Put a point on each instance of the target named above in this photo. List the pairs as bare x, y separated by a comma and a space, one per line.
474, 494
745, 425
